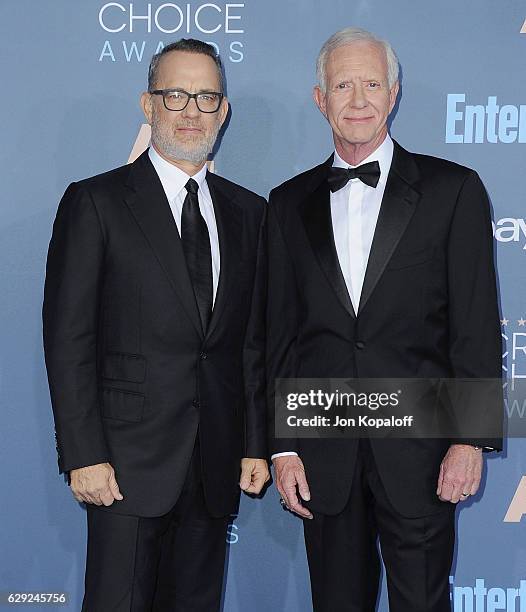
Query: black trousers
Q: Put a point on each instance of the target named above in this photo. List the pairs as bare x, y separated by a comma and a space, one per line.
343, 557
171, 563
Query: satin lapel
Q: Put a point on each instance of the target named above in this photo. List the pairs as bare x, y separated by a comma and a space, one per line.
229, 229
398, 206
147, 202
316, 215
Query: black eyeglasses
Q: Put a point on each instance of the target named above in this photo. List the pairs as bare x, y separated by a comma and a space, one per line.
177, 99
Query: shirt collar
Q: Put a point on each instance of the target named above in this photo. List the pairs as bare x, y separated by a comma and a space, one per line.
173, 179
383, 155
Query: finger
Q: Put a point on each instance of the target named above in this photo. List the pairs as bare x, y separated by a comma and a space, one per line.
458, 490
107, 498
255, 484
468, 485
475, 486
465, 495
290, 496
245, 479
258, 478
114, 487
446, 491
300, 510
476, 479
303, 487
82, 496
254, 488
282, 493
287, 485
79, 498
440, 480
95, 499
295, 504
94, 494
258, 481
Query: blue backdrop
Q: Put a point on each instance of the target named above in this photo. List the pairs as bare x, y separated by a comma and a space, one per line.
73, 72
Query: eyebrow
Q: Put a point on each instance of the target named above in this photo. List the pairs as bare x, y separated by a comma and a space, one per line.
207, 90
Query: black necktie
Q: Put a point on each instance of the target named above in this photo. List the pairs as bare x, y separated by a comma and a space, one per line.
367, 173
197, 251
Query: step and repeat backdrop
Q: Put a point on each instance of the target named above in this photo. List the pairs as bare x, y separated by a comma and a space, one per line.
73, 72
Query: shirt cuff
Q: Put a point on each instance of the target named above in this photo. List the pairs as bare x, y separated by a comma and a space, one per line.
287, 454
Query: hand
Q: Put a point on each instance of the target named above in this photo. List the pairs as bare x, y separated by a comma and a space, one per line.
460, 472
95, 484
254, 474
290, 474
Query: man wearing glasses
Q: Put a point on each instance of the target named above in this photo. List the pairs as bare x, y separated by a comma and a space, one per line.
151, 329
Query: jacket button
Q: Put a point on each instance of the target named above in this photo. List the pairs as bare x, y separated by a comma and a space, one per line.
203, 356
359, 344
195, 403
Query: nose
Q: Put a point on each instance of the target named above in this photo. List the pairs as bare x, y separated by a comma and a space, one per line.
191, 109
358, 99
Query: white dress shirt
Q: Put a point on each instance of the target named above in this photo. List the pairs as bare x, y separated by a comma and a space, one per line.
354, 212
173, 181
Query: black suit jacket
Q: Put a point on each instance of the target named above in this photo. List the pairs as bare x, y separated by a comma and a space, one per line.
131, 374
428, 309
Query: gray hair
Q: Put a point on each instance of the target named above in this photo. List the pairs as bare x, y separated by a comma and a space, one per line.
347, 36
189, 45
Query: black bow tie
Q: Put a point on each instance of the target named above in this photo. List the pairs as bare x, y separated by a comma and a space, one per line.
367, 173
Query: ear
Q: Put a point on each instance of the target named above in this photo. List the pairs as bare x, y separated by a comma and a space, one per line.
393, 94
223, 110
146, 105
320, 100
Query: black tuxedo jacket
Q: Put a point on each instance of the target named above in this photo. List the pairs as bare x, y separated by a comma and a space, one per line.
131, 373
428, 309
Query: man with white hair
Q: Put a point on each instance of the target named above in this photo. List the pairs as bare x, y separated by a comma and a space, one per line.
380, 266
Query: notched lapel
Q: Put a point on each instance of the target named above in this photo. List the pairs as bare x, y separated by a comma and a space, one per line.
147, 202
316, 215
398, 206
229, 221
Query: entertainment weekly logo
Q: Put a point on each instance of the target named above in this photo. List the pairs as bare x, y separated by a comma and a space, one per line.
479, 597
485, 121
134, 31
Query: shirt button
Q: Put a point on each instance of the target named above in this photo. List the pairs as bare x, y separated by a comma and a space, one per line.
359, 344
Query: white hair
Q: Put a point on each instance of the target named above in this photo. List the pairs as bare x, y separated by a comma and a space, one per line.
347, 36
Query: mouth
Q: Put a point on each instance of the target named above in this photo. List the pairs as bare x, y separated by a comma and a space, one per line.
188, 129
358, 120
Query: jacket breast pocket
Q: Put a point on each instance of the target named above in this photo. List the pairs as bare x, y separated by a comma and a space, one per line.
410, 260
122, 405
124, 366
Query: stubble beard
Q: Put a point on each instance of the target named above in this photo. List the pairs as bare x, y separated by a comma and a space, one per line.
195, 151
